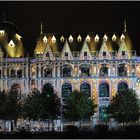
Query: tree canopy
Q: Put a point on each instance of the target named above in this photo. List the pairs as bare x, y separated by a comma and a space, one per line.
124, 106
78, 107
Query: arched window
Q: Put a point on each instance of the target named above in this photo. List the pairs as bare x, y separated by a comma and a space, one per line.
66, 71
85, 89
104, 71
122, 86
103, 90
13, 73
48, 88
47, 72
16, 88
122, 70
66, 90
19, 73
85, 70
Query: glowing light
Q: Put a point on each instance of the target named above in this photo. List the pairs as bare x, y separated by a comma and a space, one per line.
1, 32
79, 38
114, 37
37, 52
45, 39
96, 38
70, 38
11, 43
122, 37
53, 39
88, 38
18, 36
62, 39
105, 37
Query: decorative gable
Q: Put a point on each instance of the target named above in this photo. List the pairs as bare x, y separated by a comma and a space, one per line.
48, 53
85, 52
122, 52
66, 52
104, 53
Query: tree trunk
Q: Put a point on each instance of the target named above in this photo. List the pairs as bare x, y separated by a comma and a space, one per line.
52, 124
48, 125
11, 125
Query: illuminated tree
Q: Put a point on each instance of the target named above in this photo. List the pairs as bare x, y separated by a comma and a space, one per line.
78, 107
124, 107
10, 107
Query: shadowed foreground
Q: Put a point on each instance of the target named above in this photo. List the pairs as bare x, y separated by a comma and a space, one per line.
129, 132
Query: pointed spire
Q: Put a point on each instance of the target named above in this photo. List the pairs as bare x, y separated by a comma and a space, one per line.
41, 28
125, 30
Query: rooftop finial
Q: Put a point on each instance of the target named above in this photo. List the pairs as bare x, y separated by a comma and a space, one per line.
125, 30
41, 28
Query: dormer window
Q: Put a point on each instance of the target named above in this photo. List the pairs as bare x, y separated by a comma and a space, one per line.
66, 54
104, 53
47, 54
123, 53
85, 53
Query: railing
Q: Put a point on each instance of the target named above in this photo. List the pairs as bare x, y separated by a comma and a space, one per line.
95, 55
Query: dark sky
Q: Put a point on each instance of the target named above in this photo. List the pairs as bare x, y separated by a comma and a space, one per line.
72, 17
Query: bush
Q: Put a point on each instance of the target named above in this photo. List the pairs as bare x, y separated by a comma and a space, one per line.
101, 128
71, 129
132, 128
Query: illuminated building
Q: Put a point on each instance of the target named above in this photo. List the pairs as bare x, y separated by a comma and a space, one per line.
99, 64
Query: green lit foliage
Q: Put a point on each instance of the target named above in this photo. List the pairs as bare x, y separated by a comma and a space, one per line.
78, 107
124, 107
50, 103
10, 106
32, 106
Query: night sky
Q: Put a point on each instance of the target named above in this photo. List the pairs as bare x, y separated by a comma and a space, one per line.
72, 17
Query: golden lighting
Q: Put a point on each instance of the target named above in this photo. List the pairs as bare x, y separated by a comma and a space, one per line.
88, 38
114, 37
45, 39
62, 39
96, 38
1, 32
79, 38
70, 38
11, 44
105, 37
53, 39
18, 36
122, 37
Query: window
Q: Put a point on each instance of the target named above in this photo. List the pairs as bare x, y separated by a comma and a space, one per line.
19, 73
122, 70
66, 72
48, 72
47, 54
104, 53
85, 89
66, 90
85, 70
123, 53
103, 90
85, 53
122, 86
104, 71
66, 53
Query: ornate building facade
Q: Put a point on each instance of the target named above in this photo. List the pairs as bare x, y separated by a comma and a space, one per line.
98, 64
